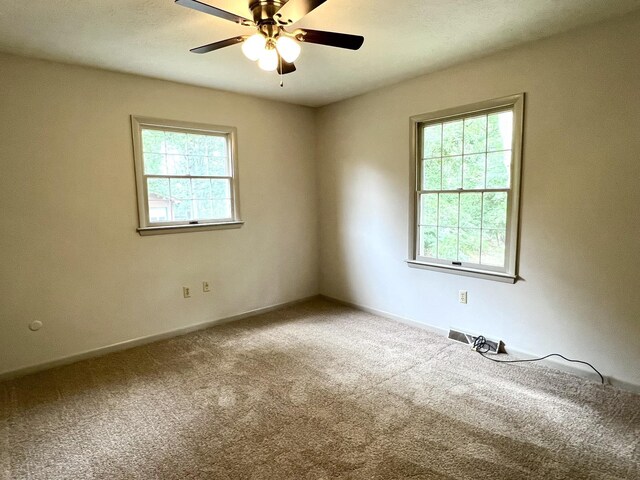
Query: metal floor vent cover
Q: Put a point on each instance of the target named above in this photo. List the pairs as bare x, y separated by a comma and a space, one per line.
495, 346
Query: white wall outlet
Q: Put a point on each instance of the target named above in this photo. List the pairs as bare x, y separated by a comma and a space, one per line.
186, 292
205, 286
462, 296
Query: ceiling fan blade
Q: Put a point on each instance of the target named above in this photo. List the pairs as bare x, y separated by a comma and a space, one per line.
294, 10
216, 12
332, 39
286, 66
217, 45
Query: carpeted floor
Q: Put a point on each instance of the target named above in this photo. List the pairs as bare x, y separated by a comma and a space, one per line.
314, 391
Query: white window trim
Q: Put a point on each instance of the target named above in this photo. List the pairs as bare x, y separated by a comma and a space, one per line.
145, 227
510, 272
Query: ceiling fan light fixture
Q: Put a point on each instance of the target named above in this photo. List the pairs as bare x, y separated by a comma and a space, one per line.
272, 45
268, 60
254, 46
288, 48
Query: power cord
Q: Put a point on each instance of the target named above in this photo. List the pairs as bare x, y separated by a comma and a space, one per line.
481, 346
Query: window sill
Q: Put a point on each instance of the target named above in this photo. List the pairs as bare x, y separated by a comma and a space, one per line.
497, 277
200, 227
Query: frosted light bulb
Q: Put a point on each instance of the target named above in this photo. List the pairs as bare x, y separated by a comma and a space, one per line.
253, 46
268, 60
288, 48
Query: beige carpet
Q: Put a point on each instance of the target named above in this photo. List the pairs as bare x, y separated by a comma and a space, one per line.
315, 391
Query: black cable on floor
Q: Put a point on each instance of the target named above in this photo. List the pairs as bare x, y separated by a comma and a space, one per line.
480, 345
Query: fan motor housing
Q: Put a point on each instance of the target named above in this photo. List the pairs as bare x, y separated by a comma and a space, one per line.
264, 10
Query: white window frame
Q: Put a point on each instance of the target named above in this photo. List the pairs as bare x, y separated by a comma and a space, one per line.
146, 227
509, 273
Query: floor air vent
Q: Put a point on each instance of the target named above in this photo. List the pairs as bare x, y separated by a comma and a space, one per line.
495, 346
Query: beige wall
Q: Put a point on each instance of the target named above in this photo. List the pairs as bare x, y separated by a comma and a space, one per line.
580, 240
70, 256
69, 252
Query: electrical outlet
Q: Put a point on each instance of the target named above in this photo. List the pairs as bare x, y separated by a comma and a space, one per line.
186, 292
462, 296
205, 286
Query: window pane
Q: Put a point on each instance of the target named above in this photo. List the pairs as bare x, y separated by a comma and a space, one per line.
432, 171
217, 154
452, 138
493, 248
222, 209
182, 210
475, 134
469, 249
180, 188
154, 164
177, 164
197, 145
500, 131
203, 209
471, 210
152, 141
448, 243
198, 165
428, 242
218, 166
159, 214
499, 169
158, 188
448, 212
473, 173
216, 146
221, 189
494, 210
175, 149
201, 189
176, 142
159, 200
451, 173
429, 209
432, 141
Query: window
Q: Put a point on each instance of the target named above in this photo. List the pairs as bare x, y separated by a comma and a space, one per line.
186, 176
464, 211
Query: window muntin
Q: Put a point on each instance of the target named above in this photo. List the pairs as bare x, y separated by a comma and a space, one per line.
467, 171
186, 173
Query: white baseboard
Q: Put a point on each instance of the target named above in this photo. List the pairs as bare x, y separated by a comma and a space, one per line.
391, 316
98, 352
520, 353
201, 326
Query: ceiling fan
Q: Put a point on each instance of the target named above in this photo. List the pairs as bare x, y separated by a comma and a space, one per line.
273, 46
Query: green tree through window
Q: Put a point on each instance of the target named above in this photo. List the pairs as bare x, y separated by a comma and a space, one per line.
184, 170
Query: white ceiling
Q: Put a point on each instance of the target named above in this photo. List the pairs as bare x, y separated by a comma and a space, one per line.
403, 39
